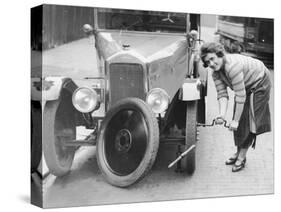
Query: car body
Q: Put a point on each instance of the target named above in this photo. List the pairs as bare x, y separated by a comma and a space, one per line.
150, 89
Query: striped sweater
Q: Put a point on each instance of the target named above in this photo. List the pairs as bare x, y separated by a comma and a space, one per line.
240, 73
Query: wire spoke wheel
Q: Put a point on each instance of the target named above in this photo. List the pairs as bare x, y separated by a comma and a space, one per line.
128, 142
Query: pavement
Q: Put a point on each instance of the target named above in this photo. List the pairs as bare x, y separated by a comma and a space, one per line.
76, 59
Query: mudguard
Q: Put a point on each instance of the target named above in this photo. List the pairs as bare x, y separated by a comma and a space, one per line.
50, 88
191, 90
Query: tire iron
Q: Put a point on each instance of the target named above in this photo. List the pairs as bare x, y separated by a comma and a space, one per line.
182, 155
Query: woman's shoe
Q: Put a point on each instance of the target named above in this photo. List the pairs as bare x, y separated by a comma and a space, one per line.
238, 165
231, 160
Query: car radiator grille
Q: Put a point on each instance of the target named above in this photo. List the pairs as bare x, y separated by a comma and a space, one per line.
125, 80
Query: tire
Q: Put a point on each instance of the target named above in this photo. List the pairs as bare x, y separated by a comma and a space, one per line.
58, 126
188, 163
128, 142
36, 134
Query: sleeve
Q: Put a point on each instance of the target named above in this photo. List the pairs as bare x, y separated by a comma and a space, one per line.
220, 86
237, 79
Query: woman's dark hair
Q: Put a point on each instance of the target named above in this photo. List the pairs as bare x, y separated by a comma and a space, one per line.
211, 47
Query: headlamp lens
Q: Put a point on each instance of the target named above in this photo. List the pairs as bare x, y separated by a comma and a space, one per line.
158, 100
85, 99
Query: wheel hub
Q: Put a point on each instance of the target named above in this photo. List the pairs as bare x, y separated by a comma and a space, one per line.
123, 141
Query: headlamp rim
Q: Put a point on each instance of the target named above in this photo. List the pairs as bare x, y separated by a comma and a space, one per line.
162, 91
90, 89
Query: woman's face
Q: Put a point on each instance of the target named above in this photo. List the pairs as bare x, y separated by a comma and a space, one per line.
213, 61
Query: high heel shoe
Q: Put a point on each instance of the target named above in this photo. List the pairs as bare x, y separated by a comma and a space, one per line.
238, 165
231, 160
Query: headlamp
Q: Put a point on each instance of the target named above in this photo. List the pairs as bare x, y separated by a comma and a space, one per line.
85, 99
158, 100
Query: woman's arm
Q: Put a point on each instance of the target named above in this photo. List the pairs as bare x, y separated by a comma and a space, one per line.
223, 103
238, 111
222, 96
237, 80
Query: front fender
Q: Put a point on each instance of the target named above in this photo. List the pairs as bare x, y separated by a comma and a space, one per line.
50, 88
191, 90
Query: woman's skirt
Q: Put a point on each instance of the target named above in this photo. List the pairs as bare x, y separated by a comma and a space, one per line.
256, 103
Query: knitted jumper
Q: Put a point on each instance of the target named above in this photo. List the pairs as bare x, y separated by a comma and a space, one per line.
240, 73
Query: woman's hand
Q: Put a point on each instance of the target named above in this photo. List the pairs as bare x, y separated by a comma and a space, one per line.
233, 125
219, 120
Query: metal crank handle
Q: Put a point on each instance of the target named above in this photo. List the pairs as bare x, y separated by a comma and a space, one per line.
206, 125
225, 122
182, 155
213, 123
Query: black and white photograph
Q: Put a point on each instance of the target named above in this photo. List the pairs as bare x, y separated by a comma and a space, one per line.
138, 106
134, 106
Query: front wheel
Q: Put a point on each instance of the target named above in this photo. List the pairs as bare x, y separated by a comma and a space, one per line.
36, 134
128, 142
189, 161
58, 127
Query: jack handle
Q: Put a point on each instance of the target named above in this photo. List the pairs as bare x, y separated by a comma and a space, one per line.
182, 155
212, 124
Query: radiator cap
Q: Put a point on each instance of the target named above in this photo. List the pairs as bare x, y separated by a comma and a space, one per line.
126, 46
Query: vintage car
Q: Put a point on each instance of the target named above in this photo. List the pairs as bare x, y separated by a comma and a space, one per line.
150, 90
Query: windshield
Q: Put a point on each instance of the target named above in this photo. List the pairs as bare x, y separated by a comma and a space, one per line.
135, 20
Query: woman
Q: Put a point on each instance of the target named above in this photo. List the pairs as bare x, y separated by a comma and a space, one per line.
250, 81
